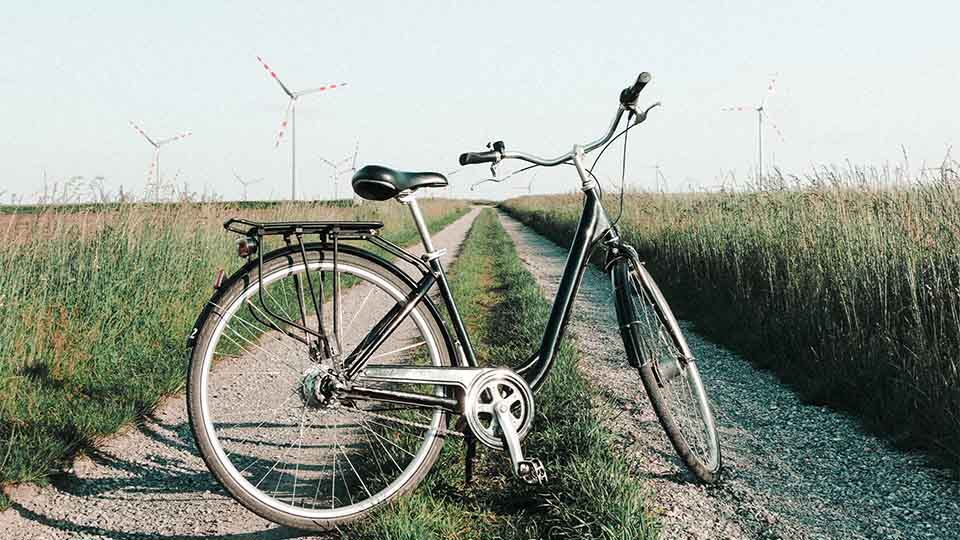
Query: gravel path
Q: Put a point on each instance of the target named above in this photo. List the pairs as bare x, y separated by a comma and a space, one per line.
150, 483
791, 470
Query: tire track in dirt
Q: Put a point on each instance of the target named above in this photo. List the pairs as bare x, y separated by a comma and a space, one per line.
150, 482
792, 470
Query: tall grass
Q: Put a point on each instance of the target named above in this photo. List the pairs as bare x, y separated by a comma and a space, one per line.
96, 305
848, 284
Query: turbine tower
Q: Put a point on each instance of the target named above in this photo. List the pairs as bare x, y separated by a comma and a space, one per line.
762, 115
157, 182
291, 113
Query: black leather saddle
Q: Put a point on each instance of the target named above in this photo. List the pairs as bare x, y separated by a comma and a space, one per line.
377, 183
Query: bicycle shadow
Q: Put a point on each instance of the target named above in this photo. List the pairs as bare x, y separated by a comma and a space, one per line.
276, 533
163, 481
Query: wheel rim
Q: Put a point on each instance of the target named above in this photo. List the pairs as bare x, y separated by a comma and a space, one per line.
678, 382
276, 474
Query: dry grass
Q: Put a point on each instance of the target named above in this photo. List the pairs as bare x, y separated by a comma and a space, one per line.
847, 282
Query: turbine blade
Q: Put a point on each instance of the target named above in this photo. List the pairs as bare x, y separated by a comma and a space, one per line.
739, 109
283, 123
771, 90
775, 128
174, 138
145, 136
152, 170
274, 75
153, 163
318, 89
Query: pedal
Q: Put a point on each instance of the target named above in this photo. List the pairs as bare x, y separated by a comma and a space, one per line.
532, 472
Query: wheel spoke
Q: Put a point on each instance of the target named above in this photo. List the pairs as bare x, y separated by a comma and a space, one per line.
401, 349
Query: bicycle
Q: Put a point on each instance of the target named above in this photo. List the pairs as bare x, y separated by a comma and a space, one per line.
312, 420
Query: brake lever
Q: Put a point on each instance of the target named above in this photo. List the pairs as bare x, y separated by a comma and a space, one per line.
499, 147
496, 180
641, 116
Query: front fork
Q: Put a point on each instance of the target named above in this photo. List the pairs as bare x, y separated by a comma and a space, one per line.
622, 260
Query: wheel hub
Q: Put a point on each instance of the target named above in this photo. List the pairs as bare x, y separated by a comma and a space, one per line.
318, 386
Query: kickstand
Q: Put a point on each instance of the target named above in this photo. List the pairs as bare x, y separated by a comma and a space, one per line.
469, 458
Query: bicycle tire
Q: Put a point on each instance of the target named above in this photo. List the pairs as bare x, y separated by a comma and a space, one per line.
655, 345
224, 307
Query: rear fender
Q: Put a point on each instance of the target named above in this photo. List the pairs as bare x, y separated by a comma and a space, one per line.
211, 306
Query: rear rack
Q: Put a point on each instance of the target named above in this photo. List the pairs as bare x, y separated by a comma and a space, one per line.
331, 234
345, 230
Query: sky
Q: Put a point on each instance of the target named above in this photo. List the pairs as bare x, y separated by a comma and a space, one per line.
857, 81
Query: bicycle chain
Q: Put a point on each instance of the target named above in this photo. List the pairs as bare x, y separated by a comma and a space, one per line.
444, 430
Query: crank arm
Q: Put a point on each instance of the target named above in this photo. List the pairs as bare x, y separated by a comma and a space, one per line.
531, 471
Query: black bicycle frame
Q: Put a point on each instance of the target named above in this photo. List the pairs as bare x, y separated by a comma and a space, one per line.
593, 227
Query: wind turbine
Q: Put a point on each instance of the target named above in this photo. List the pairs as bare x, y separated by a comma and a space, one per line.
246, 183
291, 113
761, 115
659, 179
530, 184
337, 169
155, 164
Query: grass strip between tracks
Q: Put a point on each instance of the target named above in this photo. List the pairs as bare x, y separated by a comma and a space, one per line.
590, 493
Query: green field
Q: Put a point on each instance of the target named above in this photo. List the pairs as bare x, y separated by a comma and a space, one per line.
849, 290
97, 303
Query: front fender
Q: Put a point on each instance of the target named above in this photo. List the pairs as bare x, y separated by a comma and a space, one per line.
626, 314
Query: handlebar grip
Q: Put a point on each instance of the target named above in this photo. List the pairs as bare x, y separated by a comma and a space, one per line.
470, 158
629, 94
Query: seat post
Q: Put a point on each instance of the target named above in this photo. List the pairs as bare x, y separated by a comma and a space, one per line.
408, 199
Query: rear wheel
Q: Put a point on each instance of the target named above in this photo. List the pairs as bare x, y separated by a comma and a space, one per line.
256, 393
655, 344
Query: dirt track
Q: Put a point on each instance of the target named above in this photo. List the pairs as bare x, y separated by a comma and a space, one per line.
792, 470
150, 483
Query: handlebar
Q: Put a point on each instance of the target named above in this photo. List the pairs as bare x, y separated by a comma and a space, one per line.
628, 98
470, 158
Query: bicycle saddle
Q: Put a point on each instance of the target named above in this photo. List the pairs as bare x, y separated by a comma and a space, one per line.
377, 183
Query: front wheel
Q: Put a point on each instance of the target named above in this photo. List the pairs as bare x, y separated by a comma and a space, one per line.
655, 344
